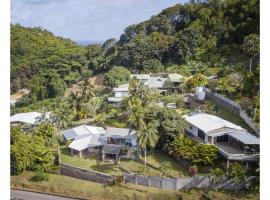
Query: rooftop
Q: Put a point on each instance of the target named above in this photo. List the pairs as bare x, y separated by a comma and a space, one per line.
140, 76
82, 130
119, 132
207, 122
85, 141
29, 117
175, 77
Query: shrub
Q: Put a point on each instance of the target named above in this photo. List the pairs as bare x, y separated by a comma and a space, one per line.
40, 176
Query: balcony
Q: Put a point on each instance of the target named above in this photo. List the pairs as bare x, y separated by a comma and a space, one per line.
233, 153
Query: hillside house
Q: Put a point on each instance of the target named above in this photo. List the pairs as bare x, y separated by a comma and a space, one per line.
232, 141
29, 118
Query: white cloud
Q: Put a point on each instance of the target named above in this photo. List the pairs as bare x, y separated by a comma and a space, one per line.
85, 19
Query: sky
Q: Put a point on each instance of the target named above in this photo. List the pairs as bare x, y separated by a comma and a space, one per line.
96, 20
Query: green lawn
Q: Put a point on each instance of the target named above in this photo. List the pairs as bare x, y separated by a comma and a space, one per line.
154, 158
175, 169
76, 188
93, 162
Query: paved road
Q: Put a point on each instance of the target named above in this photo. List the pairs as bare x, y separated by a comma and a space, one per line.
24, 195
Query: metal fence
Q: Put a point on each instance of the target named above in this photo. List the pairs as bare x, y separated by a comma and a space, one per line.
185, 183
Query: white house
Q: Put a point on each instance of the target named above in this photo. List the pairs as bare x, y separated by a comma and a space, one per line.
233, 142
113, 143
119, 142
85, 139
32, 118
119, 93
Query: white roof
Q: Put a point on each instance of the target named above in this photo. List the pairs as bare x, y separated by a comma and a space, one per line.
175, 77
86, 141
157, 82
121, 88
140, 76
207, 122
119, 132
29, 117
82, 130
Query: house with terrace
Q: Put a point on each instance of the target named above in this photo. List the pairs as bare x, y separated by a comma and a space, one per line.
85, 140
113, 143
233, 142
119, 143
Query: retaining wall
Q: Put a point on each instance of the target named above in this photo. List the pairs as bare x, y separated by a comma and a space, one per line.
232, 107
89, 175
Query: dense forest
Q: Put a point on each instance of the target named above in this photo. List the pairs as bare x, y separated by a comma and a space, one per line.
212, 37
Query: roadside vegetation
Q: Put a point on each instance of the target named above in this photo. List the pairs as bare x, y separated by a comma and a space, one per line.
72, 187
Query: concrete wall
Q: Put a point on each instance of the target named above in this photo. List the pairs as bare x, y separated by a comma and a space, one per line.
89, 175
232, 107
183, 183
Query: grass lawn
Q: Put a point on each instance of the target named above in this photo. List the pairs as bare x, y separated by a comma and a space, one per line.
175, 169
93, 162
76, 188
156, 159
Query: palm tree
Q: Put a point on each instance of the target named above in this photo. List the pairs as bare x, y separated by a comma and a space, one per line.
86, 90
74, 100
147, 136
237, 174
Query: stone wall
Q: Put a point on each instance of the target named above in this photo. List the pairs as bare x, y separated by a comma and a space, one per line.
89, 175
183, 183
232, 107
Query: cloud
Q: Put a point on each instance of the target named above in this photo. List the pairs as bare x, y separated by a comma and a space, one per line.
85, 19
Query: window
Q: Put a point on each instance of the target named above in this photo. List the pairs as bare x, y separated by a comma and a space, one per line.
201, 134
223, 138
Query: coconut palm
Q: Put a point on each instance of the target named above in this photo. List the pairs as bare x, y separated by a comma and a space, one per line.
147, 136
86, 90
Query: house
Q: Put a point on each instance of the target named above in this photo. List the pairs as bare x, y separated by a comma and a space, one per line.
119, 142
160, 82
85, 140
119, 93
113, 143
29, 118
232, 141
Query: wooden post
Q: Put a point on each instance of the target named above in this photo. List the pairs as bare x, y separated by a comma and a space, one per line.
103, 156
80, 154
71, 152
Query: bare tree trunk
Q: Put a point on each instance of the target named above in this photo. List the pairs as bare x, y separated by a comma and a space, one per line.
250, 64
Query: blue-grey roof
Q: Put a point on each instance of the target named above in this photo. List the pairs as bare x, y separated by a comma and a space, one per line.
244, 137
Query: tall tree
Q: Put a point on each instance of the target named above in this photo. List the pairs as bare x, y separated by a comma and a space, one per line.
251, 47
147, 137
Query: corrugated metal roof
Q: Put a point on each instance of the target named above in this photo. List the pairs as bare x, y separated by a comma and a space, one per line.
140, 76
175, 77
156, 82
85, 141
244, 137
207, 122
119, 132
29, 117
82, 130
